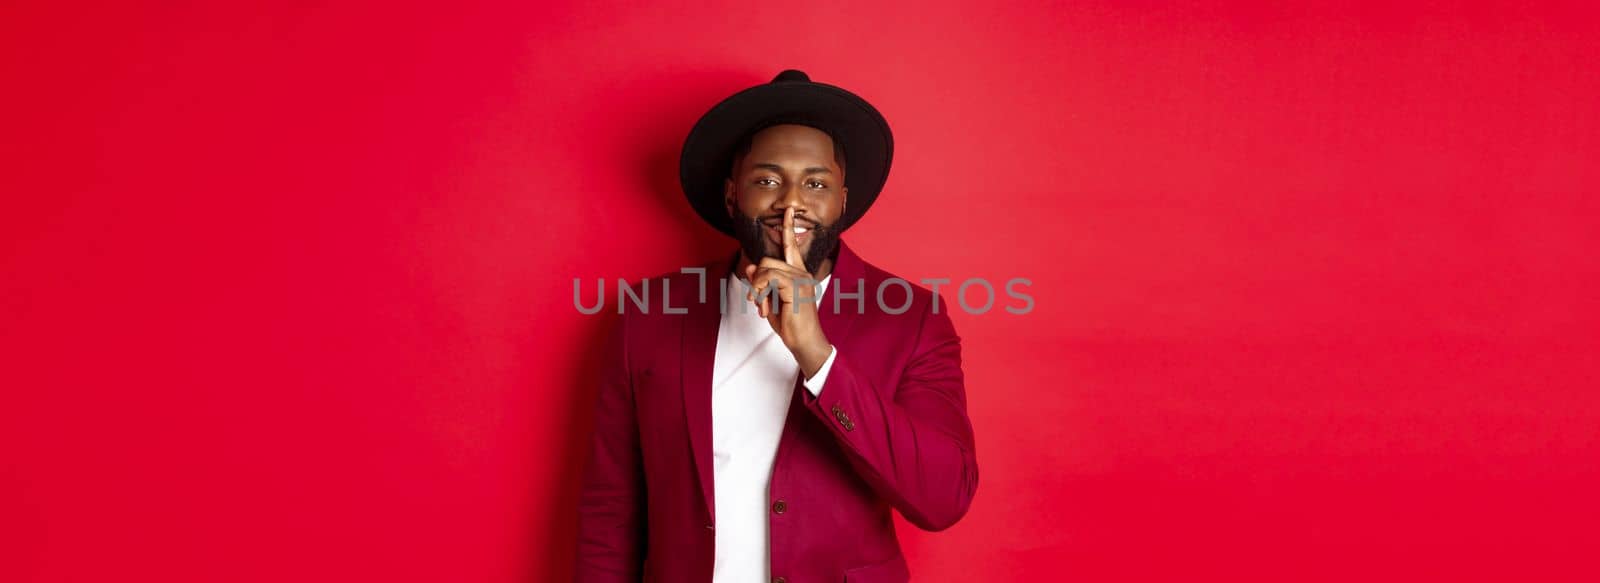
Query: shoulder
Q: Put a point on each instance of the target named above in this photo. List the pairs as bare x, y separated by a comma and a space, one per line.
885, 293
902, 314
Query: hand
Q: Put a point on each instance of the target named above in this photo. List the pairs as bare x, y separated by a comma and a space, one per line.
795, 322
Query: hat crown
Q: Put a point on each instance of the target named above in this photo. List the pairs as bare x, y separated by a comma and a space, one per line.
792, 75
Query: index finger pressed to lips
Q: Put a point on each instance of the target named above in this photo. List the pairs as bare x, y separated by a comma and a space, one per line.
791, 249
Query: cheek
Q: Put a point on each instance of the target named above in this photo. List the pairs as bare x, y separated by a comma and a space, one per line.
833, 209
751, 201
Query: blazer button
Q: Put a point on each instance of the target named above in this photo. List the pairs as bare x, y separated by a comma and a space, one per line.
780, 507
779, 580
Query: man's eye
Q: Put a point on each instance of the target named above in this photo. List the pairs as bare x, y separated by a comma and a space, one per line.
815, 184
766, 181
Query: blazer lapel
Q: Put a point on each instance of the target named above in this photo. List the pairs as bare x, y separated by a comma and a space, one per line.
698, 350
847, 271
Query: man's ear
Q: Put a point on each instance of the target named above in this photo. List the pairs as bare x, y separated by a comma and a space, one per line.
727, 195
844, 200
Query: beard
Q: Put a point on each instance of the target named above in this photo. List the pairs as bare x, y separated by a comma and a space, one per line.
752, 236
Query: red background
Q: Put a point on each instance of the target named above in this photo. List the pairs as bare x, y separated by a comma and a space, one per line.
287, 290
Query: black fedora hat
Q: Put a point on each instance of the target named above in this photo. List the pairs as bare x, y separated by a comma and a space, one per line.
791, 97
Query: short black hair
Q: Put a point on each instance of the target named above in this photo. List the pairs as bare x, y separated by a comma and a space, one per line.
743, 147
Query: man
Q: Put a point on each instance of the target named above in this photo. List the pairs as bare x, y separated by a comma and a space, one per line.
765, 435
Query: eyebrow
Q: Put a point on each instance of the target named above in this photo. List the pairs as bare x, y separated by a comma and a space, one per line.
777, 168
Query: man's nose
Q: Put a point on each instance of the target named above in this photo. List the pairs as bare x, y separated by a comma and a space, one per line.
791, 198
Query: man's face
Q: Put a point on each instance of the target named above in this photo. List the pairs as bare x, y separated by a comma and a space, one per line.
787, 166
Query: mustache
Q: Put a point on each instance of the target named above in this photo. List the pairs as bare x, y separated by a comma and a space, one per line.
799, 221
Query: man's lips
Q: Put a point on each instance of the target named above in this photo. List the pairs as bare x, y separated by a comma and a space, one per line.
802, 232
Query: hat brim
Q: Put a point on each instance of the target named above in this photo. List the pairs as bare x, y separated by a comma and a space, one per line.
707, 155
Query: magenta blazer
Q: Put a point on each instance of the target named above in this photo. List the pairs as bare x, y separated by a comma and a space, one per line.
889, 431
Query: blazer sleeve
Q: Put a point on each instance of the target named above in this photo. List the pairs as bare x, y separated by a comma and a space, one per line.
913, 444
611, 501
